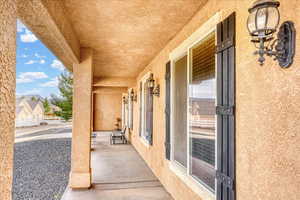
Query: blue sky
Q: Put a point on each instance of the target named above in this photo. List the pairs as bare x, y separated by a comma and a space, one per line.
37, 67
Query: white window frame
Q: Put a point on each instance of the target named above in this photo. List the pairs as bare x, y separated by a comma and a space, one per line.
143, 102
184, 49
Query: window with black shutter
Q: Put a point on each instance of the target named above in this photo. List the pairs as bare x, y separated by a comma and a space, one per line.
225, 109
149, 114
140, 108
146, 110
168, 110
200, 111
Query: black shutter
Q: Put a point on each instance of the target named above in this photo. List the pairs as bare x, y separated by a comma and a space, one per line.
168, 109
149, 115
225, 174
140, 100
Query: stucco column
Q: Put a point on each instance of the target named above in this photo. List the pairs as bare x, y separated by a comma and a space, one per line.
8, 17
80, 176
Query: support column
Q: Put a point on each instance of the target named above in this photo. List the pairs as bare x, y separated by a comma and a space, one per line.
8, 17
80, 176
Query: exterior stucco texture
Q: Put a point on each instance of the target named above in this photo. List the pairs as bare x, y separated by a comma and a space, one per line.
107, 107
8, 17
267, 113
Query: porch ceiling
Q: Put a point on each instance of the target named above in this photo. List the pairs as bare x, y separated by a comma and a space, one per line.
126, 35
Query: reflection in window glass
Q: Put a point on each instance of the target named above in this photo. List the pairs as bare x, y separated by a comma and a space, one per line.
202, 97
180, 111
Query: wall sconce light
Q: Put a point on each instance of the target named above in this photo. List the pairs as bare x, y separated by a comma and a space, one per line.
155, 89
262, 23
133, 96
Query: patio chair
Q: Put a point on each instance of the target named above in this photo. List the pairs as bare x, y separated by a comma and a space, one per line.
118, 135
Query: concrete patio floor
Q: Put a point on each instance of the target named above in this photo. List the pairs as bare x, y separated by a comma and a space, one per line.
118, 173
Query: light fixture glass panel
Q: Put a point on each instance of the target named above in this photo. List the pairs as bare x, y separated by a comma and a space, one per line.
261, 18
273, 18
251, 22
151, 83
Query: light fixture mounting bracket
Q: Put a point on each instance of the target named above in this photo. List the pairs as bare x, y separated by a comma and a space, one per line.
282, 48
285, 47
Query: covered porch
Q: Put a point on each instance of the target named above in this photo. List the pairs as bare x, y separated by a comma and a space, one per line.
118, 173
122, 55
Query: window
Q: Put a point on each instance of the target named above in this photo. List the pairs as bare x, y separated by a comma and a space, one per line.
193, 99
179, 111
202, 102
123, 111
146, 106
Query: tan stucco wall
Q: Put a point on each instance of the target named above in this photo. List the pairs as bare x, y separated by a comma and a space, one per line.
8, 18
80, 176
267, 113
107, 107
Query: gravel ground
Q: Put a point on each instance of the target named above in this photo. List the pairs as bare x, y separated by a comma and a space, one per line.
41, 169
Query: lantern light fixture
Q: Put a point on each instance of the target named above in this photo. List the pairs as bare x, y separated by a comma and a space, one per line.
154, 89
133, 96
262, 23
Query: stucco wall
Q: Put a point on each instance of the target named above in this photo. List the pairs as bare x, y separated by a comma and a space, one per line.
107, 107
267, 113
7, 93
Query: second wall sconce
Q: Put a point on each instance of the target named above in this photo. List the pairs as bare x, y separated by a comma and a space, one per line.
154, 88
133, 96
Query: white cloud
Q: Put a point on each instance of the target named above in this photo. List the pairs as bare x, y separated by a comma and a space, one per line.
30, 62
57, 65
20, 26
39, 56
28, 36
28, 77
52, 83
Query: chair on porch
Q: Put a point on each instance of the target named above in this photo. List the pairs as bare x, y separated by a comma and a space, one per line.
118, 135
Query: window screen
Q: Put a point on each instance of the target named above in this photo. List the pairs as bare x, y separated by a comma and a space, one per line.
202, 98
180, 111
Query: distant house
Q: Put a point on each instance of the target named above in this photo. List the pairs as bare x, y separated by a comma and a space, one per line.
51, 114
23, 110
29, 111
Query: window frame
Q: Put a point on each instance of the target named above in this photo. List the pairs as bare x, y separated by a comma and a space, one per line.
142, 101
185, 172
